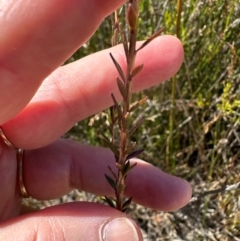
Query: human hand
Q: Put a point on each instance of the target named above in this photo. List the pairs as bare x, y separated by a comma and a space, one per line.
40, 101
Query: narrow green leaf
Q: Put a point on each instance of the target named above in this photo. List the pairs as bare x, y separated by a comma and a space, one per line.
118, 110
118, 67
126, 204
131, 147
111, 181
143, 100
136, 70
134, 154
122, 88
113, 173
109, 201
127, 164
116, 105
109, 144
150, 39
124, 210
136, 125
132, 16
134, 107
126, 167
137, 104
129, 169
112, 110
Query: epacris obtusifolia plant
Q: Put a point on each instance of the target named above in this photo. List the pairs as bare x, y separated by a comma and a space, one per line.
121, 127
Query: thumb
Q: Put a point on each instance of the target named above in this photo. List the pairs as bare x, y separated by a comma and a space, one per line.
72, 221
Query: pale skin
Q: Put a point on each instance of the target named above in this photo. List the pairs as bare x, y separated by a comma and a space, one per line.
40, 101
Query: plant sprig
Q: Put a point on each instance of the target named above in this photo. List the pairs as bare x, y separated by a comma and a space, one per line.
121, 127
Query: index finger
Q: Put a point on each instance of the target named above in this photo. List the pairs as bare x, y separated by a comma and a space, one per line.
55, 170
37, 37
80, 89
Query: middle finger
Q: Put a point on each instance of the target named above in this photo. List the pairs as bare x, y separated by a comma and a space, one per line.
55, 170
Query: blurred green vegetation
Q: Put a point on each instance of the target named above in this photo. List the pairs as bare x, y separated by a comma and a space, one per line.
207, 95
202, 105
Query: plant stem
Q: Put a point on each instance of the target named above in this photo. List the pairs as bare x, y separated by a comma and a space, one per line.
121, 113
130, 59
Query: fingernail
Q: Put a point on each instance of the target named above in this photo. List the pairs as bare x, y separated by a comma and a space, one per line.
120, 229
